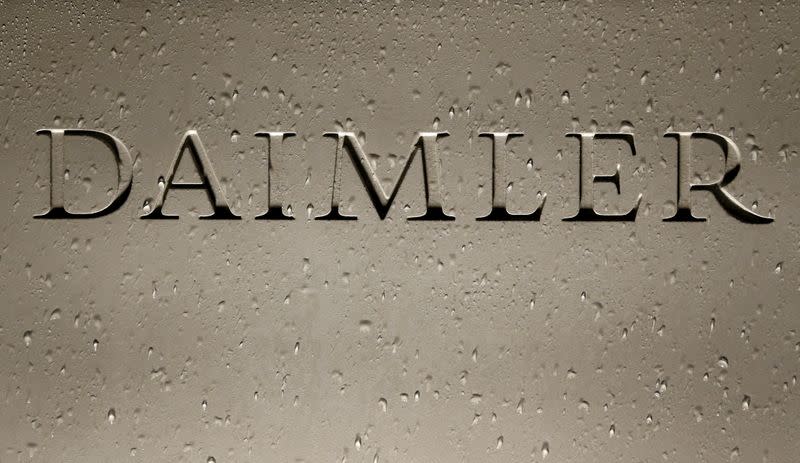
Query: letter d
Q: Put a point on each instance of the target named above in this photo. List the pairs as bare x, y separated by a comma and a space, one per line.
57, 173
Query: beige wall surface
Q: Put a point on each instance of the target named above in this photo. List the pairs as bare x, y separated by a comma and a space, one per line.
387, 339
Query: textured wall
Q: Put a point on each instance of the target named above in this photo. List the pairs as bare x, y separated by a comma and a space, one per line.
124, 339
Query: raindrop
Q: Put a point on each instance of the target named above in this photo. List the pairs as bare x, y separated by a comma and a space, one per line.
583, 406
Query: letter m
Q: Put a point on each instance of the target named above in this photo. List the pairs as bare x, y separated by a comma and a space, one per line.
425, 144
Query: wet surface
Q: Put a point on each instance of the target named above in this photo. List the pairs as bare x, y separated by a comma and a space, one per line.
393, 340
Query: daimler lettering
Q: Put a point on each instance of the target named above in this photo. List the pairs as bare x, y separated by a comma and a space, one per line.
424, 148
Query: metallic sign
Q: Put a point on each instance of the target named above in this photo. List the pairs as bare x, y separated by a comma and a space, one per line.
399, 232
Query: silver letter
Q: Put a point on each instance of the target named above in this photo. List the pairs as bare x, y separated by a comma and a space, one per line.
425, 144
274, 209
500, 169
683, 212
208, 182
587, 178
57, 171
